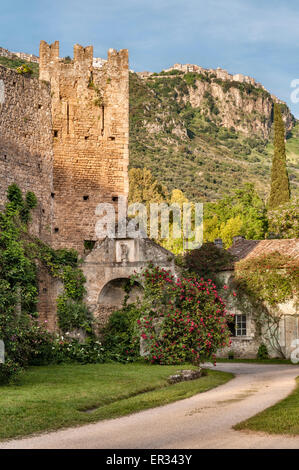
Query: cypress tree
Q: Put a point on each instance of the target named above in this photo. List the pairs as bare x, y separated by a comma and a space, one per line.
280, 186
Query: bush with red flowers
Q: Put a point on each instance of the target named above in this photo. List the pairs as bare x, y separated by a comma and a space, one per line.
183, 319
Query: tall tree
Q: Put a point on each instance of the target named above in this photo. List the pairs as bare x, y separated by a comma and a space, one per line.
280, 186
144, 188
244, 213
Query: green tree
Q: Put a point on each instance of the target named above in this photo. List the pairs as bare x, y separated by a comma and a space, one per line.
144, 188
280, 186
244, 213
230, 229
175, 245
284, 220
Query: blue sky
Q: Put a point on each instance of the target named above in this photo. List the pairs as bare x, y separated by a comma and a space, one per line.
255, 37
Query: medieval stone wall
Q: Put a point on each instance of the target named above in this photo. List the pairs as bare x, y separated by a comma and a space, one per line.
90, 133
26, 143
111, 262
65, 137
26, 159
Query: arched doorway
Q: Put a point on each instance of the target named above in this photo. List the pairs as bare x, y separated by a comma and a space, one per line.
114, 292
112, 298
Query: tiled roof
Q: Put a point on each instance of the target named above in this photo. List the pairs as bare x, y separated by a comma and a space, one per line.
248, 249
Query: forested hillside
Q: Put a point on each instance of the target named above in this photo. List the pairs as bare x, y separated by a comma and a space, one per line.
206, 136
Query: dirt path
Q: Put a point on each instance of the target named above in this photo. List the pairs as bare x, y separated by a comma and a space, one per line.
203, 421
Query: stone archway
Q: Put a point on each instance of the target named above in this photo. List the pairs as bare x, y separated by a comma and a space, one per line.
113, 293
110, 264
112, 297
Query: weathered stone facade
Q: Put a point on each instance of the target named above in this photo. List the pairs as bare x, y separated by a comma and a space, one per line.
109, 264
65, 137
90, 114
279, 336
26, 158
26, 155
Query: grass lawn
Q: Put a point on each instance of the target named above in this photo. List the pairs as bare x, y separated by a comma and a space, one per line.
282, 418
53, 397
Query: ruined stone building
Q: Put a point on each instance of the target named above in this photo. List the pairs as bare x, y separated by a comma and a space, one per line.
246, 337
65, 137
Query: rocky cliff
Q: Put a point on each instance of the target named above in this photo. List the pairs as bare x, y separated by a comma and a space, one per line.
205, 131
228, 100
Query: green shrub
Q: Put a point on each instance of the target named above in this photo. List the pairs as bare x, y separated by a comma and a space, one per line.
121, 335
71, 350
10, 372
262, 352
26, 343
231, 355
25, 69
73, 314
190, 79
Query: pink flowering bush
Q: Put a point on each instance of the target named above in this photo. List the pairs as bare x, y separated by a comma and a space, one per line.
183, 319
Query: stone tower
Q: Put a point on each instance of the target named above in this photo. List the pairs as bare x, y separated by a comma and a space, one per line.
90, 125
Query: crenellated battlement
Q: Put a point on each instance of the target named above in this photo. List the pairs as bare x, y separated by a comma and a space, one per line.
50, 63
48, 55
83, 54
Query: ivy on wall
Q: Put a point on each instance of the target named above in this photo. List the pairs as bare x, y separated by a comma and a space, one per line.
20, 254
263, 283
64, 265
271, 278
257, 287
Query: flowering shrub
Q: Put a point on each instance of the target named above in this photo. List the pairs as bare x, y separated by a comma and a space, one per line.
26, 342
183, 319
29, 343
24, 70
71, 350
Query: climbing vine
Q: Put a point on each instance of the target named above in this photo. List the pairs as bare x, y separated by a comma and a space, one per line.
271, 278
17, 269
20, 254
263, 283
26, 340
64, 265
